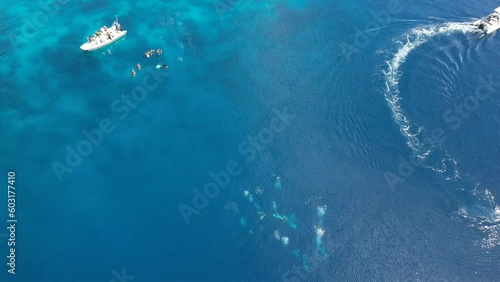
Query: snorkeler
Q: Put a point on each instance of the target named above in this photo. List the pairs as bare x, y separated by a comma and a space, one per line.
159, 51
149, 53
133, 73
162, 66
138, 67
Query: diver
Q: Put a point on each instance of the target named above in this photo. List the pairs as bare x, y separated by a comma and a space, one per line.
133, 73
149, 53
159, 52
138, 67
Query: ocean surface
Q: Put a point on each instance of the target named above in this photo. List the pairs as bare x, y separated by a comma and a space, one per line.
291, 140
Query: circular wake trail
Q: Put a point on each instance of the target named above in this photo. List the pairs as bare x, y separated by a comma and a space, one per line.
489, 219
409, 42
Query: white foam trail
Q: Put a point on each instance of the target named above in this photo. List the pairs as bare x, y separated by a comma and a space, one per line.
486, 217
492, 228
489, 220
277, 235
321, 211
409, 42
320, 231
285, 240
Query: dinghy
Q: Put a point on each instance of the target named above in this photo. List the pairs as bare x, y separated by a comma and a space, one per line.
104, 37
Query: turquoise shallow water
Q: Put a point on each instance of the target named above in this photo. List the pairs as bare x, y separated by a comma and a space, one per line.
318, 138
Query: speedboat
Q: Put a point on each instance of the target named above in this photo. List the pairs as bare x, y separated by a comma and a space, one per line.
489, 23
104, 37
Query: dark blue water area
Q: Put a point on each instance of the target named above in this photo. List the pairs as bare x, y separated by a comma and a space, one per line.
309, 203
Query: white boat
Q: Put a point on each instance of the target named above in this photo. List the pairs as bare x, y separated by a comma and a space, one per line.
104, 37
489, 23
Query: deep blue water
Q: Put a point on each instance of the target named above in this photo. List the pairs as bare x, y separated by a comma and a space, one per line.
338, 94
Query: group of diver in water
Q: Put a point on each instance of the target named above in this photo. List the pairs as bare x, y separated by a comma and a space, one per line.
152, 52
148, 54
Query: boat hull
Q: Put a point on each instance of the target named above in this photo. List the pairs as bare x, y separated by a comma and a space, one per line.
488, 29
491, 30
88, 47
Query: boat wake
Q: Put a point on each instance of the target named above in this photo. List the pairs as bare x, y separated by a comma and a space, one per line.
413, 134
485, 216
431, 154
